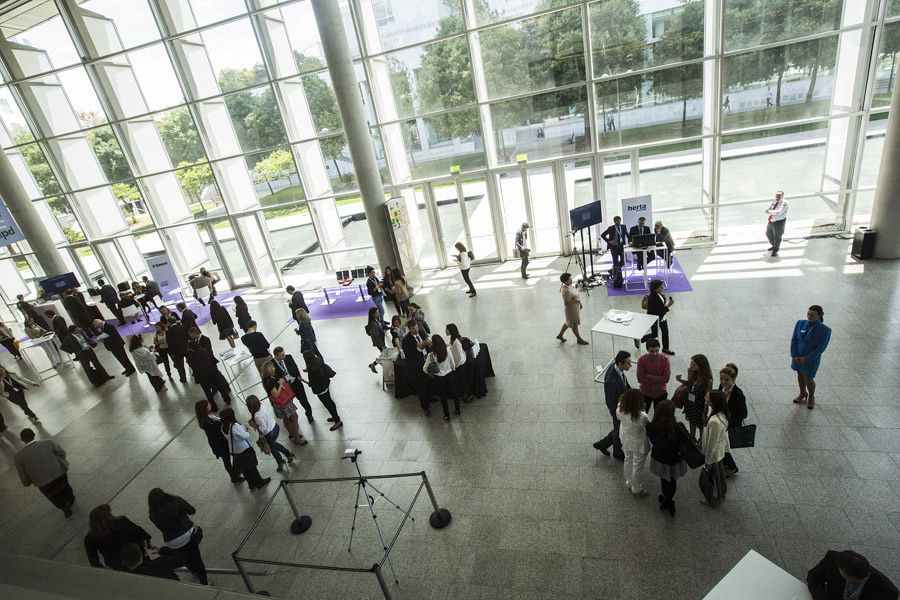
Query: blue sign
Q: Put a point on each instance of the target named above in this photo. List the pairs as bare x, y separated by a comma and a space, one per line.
9, 231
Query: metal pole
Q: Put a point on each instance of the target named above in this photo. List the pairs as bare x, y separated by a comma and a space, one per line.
301, 522
441, 516
243, 574
381, 583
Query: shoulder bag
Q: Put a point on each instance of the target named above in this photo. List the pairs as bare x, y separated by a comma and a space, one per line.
687, 449
286, 396
706, 486
742, 437
680, 396
241, 461
645, 301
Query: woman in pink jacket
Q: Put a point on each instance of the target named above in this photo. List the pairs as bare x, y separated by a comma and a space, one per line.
653, 374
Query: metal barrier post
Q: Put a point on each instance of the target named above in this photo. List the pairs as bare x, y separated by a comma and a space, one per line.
441, 516
384, 590
301, 522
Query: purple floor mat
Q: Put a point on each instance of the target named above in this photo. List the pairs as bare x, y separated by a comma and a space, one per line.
226, 299
678, 281
345, 303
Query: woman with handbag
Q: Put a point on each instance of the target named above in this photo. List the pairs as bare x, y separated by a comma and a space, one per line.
161, 346
265, 423
698, 383
13, 386
281, 395
737, 408
633, 433
212, 427
243, 456
439, 365
376, 333
715, 444
665, 459
107, 534
319, 382
464, 262
171, 515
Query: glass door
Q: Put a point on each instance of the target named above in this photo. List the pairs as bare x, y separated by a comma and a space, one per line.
528, 195
221, 242
463, 211
619, 180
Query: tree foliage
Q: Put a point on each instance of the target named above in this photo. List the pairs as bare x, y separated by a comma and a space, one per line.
278, 165
678, 43
194, 179
182, 143
619, 37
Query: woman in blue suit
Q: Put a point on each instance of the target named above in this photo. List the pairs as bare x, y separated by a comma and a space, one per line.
811, 337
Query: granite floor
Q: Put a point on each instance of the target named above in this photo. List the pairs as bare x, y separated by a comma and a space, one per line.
537, 512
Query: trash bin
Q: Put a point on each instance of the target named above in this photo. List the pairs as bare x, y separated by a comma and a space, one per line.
863, 243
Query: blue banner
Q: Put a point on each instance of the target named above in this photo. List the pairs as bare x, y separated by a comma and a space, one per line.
9, 231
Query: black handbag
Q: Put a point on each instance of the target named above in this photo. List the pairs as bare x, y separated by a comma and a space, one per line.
687, 449
706, 486
742, 437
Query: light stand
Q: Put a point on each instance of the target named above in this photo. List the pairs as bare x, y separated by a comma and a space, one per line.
362, 486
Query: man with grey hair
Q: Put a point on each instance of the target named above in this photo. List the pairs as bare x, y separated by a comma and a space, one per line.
43, 464
664, 236
777, 212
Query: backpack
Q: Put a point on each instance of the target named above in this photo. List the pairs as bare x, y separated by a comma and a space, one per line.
617, 281
471, 255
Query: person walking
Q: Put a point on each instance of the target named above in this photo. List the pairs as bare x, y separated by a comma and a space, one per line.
616, 238
390, 290
439, 365
658, 306
242, 312
633, 433
319, 382
573, 306
698, 382
296, 302
402, 293
43, 464
201, 284
35, 331
614, 385
523, 249
665, 460
281, 395
286, 368
464, 262
146, 362
257, 344
161, 346
653, 374
12, 387
114, 342
212, 427
82, 347
172, 516
376, 334
177, 341
188, 317
809, 341
110, 297
221, 319
777, 217
106, 536
375, 289
307, 333
243, 456
714, 444
8, 341
207, 374
737, 409
264, 422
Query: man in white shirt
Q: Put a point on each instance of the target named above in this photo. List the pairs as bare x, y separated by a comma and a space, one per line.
523, 248
777, 212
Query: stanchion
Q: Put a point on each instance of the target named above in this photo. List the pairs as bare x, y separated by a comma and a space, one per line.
301, 522
384, 589
441, 516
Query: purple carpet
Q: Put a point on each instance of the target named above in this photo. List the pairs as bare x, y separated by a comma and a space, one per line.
678, 281
345, 303
226, 299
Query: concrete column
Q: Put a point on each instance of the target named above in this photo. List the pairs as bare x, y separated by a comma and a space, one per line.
886, 207
356, 129
29, 221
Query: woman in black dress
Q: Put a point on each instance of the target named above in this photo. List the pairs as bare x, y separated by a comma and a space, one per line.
376, 334
171, 515
390, 276
242, 313
212, 427
737, 409
699, 382
106, 536
319, 382
221, 319
665, 460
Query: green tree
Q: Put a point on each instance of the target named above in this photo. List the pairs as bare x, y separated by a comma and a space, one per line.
323, 108
254, 114
619, 37
278, 165
401, 86
193, 180
106, 147
128, 196
677, 44
180, 138
37, 164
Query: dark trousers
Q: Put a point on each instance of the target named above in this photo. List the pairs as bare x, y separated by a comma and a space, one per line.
445, 388
193, 560
774, 231
325, 398
92, 366
668, 491
618, 255
648, 401
18, 398
213, 381
524, 255
60, 493
163, 354
300, 396
639, 258
122, 357
157, 382
728, 462
115, 310
612, 438
466, 278
178, 361
229, 468
664, 326
10, 344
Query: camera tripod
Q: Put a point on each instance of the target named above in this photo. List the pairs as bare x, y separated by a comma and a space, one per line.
363, 486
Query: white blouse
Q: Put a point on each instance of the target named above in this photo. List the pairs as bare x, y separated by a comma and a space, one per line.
459, 355
634, 433
238, 439
264, 420
462, 259
444, 368
715, 439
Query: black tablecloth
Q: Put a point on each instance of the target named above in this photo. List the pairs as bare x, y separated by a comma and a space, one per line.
477, 371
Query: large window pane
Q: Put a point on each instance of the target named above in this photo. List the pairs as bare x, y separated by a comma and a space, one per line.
435, 144
751, 22
275, 177
481, 224
542, 126
132, 19
660, 105
13, 119
51, 46
179, 137
432, 77
403, 23
692, 226
534, 54
291, 230
303, 268
256, 119
40, 170
672, 176
490, 11
886, 71
153, 71
234, 55
871, 158
65, 216
779, 84
109, 154
303, 34
322, 103
338, 164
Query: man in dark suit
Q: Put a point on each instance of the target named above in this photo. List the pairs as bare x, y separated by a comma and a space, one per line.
616, 237
614, 385
195, 335
257, 344
164, 566
116, 345
641, 229
110, 297
43, 464
658, 306
79, 312
286, 368
842, 575
296, 302
60, 327
177, 339
664, 236
207, 374
188, 317
151, 291
77, 343
415, 347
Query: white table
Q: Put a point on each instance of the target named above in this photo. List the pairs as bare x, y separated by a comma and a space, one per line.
234, 360
633, 330
65, 357
660, 273
754, 577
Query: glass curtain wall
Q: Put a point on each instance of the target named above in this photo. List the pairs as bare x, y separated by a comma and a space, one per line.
211, 130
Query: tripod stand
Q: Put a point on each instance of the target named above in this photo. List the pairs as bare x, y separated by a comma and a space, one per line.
363, 486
